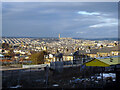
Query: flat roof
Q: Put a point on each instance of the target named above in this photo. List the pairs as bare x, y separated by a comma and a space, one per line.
115, 60
108, 57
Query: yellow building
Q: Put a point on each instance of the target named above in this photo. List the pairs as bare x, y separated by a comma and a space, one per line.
103, 54
67, 57
92, 55
115, 53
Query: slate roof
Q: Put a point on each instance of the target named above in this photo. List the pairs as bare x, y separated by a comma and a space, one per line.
101, 50
93, 51
109, 49
104, 50
80, 52
115, 60
68, 53
59, 55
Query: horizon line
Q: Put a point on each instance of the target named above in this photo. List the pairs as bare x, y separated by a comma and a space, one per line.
58, 37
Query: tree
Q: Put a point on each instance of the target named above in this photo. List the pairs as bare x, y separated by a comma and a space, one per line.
38, 58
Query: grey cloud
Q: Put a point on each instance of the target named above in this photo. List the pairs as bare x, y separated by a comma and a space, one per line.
37, 19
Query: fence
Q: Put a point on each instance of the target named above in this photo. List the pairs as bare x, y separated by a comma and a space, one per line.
35, 66
26, 78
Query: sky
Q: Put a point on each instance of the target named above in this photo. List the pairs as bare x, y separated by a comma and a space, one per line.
70, 19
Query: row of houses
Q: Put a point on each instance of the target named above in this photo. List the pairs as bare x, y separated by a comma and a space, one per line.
82, 55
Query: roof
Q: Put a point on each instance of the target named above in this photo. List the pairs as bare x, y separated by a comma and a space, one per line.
93, 51
101, 50
109, 49
97, 63
59, 55
104, 50
68, 54
116, 48
103, 62
80, 52
115, 60
108, 57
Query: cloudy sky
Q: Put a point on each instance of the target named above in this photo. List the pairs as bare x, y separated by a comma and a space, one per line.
48, 19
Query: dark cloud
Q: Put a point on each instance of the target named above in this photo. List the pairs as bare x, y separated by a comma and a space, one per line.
48, 19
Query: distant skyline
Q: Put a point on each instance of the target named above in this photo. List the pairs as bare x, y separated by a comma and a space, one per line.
70, 19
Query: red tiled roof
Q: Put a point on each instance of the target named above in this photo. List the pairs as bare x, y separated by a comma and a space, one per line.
5, 60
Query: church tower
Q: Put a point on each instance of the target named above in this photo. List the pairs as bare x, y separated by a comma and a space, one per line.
59, 36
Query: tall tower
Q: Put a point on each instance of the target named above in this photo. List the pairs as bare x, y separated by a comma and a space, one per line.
59, 36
